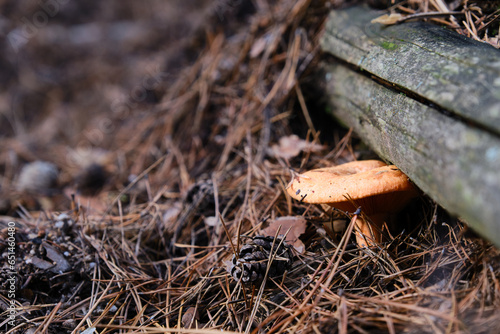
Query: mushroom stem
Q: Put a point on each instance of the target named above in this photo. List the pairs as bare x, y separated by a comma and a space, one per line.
369, 233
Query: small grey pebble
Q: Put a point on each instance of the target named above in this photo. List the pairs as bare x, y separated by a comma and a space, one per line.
38, 176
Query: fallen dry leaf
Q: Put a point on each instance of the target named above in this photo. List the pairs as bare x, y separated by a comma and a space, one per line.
388, 19
211, 221
189, 316
39, 263
59, 264
290, 146
92, 204
62, 265
297, 226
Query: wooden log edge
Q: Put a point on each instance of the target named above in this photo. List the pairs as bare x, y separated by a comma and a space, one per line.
451, 152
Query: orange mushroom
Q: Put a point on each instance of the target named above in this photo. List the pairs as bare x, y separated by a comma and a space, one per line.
379, 189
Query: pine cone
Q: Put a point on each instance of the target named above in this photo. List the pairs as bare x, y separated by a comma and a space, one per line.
251, 264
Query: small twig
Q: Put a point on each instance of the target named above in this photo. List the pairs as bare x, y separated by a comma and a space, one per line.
430, 15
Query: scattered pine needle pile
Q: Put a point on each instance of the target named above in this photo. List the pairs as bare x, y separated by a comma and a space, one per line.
475, 19
168, 184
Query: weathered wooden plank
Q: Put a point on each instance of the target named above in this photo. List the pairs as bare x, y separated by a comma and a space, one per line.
455, 164
454, 72
453, 160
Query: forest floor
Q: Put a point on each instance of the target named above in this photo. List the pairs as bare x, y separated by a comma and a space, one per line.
168, 132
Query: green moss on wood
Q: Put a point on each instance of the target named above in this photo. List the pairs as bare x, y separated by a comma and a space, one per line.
388, 45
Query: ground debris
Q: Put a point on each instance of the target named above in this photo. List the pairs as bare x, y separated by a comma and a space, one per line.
192, 117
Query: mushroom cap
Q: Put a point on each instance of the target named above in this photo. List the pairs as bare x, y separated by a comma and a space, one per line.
371, 184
